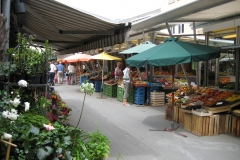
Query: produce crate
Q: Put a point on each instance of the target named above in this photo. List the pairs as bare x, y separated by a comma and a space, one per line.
111, 90
139, 93
225, 123
97, 86
205, 125
157, 98
120, 93
187, 122
213, 125
82, 79
235, 126
181, 116
168, 114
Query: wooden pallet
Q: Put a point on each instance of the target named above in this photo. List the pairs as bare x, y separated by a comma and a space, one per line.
156, 104
214, 125
235, 126
225, 123
187, 121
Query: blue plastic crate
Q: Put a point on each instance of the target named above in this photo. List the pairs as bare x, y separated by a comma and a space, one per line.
82, 79
139, 102
140, 94
154, 84
139, 89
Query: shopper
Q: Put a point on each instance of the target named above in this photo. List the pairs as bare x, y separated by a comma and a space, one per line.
126, 82
60, 72
71, 72
52, 73
118, 71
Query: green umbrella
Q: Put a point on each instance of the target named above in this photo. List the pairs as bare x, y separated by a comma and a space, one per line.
173, 52
138, 49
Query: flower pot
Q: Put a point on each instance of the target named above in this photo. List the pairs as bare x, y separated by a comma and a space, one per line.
33, 79
18, 77
44, 79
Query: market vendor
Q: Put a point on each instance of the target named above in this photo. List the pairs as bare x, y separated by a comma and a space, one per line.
118, 71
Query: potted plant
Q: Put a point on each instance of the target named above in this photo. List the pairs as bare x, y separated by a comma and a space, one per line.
33, 66
6, 69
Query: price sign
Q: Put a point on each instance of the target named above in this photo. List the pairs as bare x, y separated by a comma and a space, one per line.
219, 103
232, 79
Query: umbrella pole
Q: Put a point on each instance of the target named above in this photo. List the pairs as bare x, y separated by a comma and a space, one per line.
102, 79
172, 129
185, 73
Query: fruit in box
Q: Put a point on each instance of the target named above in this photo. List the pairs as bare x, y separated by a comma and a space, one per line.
234, 97
224, 80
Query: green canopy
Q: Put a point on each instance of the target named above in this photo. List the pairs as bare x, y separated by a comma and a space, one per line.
173, 52
138, 49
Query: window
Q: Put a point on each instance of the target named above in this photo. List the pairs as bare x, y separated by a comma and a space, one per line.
180, 28
171, 1
173, 30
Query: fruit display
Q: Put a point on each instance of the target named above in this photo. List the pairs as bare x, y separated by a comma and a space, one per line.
111, 81
233, 98
224, 80
140, 83
182, 91
167, 82
181, 73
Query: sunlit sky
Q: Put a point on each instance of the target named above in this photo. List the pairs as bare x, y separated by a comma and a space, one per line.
115, 9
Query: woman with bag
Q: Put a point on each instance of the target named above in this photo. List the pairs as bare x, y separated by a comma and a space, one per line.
126, 82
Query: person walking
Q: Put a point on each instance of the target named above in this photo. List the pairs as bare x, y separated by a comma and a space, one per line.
71, 71
60, 71
126, 82
52, 73
118, 71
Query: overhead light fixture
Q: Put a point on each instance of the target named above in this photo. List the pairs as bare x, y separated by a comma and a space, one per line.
229, 36
18, 7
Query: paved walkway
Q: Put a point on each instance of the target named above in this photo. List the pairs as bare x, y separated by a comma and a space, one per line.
128, 128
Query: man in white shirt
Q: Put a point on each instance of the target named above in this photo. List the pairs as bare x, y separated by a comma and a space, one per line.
71, 71
52, 72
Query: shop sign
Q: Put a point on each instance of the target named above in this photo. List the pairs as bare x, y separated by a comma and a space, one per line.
232, 79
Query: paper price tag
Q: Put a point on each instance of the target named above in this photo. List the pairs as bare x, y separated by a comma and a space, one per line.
232, 79
219, 103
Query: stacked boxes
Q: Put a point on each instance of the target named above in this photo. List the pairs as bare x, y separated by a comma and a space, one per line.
120, 93
82, 79
111, 90
91, 81
153, 87
139, 95
131, 95
97, 86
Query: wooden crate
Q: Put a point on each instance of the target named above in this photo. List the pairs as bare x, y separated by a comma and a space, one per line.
200, 125
235, 126
168, 112
157, 99
187, 121
225, 122
176, 114
181, 116
214, 125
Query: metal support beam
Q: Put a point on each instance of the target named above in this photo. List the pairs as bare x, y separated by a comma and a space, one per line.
237, 60
6, 13
39, 36
169, 31
206, 62
88, 32
52, 41
198, 73
35, 14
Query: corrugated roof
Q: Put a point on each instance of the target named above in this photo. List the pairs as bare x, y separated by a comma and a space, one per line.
68, 30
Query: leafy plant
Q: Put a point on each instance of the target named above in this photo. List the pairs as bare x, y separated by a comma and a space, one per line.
6, 68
